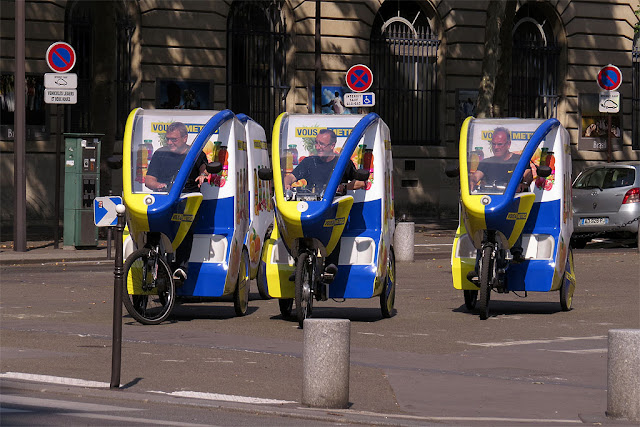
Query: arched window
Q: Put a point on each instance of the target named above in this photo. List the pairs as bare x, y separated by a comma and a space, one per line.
404, 56
534, 66
256, 60
635, 97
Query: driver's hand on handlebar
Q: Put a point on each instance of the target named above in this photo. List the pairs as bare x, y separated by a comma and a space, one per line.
202, 178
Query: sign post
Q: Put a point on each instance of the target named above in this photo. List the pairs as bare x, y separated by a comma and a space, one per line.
60, 88
609, 79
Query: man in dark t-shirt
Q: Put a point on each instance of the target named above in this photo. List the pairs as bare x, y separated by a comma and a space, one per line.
499, 168
317, 169
163, 168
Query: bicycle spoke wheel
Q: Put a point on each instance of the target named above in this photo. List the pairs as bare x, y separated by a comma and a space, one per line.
149, 292
486, 268
304, 283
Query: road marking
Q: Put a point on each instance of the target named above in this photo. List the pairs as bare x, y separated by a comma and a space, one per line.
527, 342
223, 397
53, 380
146, 421
433, 244
585, 351
61, 404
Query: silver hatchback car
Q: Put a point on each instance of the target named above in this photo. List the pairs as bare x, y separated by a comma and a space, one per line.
606, 201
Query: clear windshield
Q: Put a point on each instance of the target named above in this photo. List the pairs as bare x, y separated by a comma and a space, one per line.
493, 151
308, 163
605, 178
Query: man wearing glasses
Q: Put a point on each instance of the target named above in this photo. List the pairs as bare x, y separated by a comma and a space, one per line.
163, 168
317, 169
498, 168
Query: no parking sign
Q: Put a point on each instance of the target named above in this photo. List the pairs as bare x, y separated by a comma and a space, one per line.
359, 78
609, 77
61, 57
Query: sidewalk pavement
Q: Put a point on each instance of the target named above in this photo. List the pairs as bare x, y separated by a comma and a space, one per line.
42, 251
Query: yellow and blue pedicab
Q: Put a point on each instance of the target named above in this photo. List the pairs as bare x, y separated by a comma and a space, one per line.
218, 216
496, 218
332, 239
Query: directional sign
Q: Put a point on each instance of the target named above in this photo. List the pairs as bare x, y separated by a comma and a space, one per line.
359, 78
60, 80
104, 211
366, 99
58, 96
61, 57
609, 102
609, 77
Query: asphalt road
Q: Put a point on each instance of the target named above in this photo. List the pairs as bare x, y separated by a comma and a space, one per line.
431, 363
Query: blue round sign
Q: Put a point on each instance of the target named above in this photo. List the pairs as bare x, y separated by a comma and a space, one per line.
61, 57
610, 77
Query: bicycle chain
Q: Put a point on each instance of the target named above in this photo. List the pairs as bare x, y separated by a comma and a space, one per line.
599, 233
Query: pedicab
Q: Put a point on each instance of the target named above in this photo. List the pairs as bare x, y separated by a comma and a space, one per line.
333, 234
217, 217
532, 219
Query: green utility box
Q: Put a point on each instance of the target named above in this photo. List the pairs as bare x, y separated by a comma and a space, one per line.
81, 187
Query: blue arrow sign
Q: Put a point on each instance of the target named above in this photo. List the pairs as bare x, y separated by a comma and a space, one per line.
104, 211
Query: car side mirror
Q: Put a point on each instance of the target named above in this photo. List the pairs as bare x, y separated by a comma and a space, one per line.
452, 171
214, 167
361, 175
114, 162
265, 174
544, 171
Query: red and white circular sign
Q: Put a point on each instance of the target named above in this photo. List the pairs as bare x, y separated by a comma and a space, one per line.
609, 77
61, 57
359, 78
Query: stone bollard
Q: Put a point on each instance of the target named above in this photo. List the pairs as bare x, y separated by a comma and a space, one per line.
623, 374
325, 363
404, 240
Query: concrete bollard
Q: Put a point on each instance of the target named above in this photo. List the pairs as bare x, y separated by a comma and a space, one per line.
404, 241
623, 374
325, 363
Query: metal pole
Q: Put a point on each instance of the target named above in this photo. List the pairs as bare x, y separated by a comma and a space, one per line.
118, 277
318, 49
609, 139
19, 153
109, 235
56, 214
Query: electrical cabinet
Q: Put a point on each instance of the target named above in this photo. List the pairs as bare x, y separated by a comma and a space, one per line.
81, 187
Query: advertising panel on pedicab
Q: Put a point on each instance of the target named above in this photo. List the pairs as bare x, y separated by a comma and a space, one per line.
310, 152
154, 133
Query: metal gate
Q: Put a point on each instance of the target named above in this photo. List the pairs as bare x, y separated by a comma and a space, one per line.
256, 60
534, 77
635, 96
404, 64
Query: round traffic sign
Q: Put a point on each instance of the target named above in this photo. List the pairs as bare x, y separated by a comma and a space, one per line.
61, 57
359, 78
610, 77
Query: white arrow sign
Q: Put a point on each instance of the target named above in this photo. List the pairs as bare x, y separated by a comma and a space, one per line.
104, 211
609, 102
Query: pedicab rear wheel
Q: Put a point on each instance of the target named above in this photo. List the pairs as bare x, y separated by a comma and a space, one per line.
486, 269
304, 283
566, 293
241, 294
152, 306
286, 306
261, 278
470, 298
388, 295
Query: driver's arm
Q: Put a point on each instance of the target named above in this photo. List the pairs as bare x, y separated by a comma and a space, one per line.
152, 182
288, 180
475, 178
355, 185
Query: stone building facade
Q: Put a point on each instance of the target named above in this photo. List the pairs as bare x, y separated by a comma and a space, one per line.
265, 57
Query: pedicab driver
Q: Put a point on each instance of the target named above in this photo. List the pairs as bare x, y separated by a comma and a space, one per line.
317, 169
498, 168
163, 168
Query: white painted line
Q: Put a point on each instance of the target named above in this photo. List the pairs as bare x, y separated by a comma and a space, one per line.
53, 380
433, 244
61, 404
585, 351
527, 342
224, 397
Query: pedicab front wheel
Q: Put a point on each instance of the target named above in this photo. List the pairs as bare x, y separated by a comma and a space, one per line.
486, 269
304, 283
149, 291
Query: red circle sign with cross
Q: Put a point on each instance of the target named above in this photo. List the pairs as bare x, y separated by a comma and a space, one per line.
610, 77
359, 78
61, 57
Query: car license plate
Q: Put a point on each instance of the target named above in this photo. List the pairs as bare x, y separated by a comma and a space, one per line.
594, 221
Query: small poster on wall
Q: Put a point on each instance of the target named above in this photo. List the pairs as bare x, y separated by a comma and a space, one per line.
594, 125
332, 100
